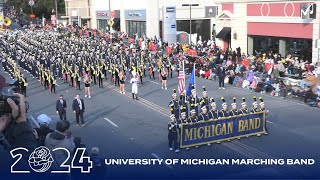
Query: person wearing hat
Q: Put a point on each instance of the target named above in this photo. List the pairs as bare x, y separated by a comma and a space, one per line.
174, 105
194, 100
244, 110
214, 112
183, 119
224, 112
203, 116
263, 109
192, 118
44, 128
234, 110
204, 101
255, 108
173, 134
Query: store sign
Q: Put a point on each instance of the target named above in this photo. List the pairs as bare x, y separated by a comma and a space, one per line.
105, 14
308, 10
211, 11
135, 14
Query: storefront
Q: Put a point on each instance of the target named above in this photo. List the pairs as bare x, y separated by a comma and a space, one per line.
103, 17
297, 47
282, 28
135, 22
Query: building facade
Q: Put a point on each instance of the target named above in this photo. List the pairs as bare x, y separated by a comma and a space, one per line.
271, 25
279, 26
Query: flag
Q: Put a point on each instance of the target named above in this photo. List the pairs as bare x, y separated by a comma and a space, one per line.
181, 81
191, 81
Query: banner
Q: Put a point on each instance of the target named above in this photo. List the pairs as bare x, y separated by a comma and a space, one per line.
222, 129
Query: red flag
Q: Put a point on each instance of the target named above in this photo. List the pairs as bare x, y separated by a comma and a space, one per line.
181, 81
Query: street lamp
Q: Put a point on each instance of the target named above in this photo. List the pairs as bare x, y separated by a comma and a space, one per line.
190, 5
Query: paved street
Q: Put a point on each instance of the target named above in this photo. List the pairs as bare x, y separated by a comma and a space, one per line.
126, 128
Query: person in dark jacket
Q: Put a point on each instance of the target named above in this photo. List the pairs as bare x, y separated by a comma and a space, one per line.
61, 107
78, 108
221, 73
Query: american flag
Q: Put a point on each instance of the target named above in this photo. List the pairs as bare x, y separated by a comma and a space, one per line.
181, 81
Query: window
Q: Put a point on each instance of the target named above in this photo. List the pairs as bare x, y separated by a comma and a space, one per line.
134, 27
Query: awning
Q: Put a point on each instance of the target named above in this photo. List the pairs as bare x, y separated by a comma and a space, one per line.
224, 32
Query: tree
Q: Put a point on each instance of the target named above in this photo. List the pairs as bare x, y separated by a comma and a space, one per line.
41, 7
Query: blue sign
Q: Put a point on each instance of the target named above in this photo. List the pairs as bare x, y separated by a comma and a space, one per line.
222, 129
135, 15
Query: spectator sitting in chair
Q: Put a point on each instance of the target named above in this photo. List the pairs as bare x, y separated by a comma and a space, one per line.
310, 80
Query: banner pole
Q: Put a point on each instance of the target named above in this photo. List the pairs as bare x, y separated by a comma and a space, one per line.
184, 77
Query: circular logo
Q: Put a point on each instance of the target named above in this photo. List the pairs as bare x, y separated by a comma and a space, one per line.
40, 159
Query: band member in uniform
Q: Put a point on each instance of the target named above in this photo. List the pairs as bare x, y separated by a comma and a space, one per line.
100, 76
183, 102
116, 75
174, 105
24, 85
204, 101
78, 80
224, 112
255, 108
263, 109
244, 110
151, 71
93, 74
122, 78
234, 110
194, 100
183, 119
73, 77
87, 83
140, 73
46, 80
214, 112
134, 81
163, 74
53, 84
192, 118
173, 134
203, 116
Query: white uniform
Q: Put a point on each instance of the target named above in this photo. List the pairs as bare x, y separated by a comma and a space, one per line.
134, 82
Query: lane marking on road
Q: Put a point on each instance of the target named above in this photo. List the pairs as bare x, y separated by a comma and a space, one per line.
153, 82
112, 123
156, 156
